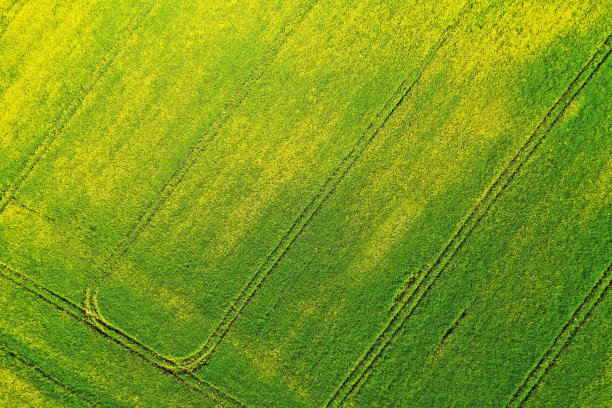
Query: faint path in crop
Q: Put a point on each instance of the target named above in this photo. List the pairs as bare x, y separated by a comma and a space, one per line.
117, 336
563, 339
322, 195
31, 211
243, 90
431, 273
66, 225
60, 124
48, 377
11, 12
449, 332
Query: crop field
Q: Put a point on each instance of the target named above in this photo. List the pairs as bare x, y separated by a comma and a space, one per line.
305, 203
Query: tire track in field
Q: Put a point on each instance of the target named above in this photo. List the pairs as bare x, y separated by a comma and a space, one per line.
10, 14
243, 90
445, 338
48, 377
322, 195
64, 304
430, 274
562, 340
116, 336
60, 124
32, 211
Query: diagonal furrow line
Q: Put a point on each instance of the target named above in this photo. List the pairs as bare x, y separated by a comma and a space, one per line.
322, 195
431, 273
47, 376
243, 90
76, 311
11, 12
31, 211
452, 329
115, 335
60, 124
562, 340
8, 8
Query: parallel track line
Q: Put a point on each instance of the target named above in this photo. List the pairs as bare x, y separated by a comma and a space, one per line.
403, 313
565, 336
322, 195
64, 118
116, 336
47, 376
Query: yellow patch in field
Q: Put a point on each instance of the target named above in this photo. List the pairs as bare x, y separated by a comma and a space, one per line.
573, 108
602, 377
472, 124
275, 167
265, 360
528, 29
268, 359
182, 308
417, 179
16, 391
268, 362
30, 100
285, 158
317, 308
14, 218
542, 22
385, 238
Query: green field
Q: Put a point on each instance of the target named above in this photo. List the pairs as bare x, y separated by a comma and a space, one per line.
305, 203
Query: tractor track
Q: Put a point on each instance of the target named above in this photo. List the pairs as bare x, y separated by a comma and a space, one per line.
322, 195
535, 376
116, 336
403, 313
72, 391
64, 118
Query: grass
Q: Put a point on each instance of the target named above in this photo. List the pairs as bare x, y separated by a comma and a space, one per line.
305, 203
